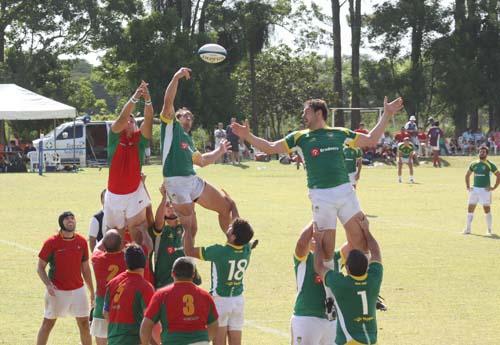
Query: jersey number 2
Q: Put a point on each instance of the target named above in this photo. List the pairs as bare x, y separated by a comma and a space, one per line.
364, 301
113, 270
237, 269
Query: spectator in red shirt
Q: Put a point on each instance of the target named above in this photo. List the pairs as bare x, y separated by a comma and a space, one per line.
187, 313
422, 138
400, 137
361, 129
68, 258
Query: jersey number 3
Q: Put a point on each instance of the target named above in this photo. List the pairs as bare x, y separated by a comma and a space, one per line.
188, 307
237, 269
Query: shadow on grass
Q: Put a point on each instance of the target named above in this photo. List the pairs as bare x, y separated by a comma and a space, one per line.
241, 166
491, 237
371, 216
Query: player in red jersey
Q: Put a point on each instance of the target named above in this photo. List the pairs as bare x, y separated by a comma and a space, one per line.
126, 199
68, 257
107, 265
187, 313
127, 295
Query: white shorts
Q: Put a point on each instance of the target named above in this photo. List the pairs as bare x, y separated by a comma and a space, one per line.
479, 196
67, 303
230, 310
99, 328
184, 189
405, 160
352, 178
330, 203
120, 207
200, 343
310, 330
435, 148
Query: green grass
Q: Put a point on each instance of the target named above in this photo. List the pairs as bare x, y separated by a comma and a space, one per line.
441, 287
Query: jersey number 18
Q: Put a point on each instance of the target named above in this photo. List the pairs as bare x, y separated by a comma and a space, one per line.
237, 269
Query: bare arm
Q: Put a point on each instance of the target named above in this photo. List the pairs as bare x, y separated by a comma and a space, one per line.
211, 157
87, 277
212, 330
390, 109
371, 242
497, 182
189, 248
146, 330
168, 111
302, 246
319, 266
234, 209
160, 211
467, 179
92, 243
359, 165
263, 145
147, 124
44, 277
121, 123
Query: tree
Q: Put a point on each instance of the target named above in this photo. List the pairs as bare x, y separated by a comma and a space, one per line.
337, 58
355, 21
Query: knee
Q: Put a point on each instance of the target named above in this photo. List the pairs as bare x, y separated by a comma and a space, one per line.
48, 324
83, 324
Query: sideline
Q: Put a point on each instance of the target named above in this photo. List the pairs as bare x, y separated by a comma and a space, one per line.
264, 329
19, 246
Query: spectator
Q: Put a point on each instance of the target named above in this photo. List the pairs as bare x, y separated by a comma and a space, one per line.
234, 140
422, 138
361, 128
412, 130
467, 135
399, 137
497, 137
95, 228
219, 134
68, 257
434, 135
386, 148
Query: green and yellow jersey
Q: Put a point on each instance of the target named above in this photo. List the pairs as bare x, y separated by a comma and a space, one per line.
351, 156
229, 263
310, 300
355, 302
177, 149
323, 154
406, 149
482, 170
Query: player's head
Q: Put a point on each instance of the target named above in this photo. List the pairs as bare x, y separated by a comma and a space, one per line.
483, 151
183, 268
436, 123
103, 194
403, 129
413, 118
240, 232
112, 241
185, 117
131, 125
169, 211
233, 119
67, 221
406, 140
356, 263
361, 125
315, 112
220, 125
134, 257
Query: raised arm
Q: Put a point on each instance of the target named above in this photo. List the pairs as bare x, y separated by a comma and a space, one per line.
302, 246
147, 124
319, 266
390, 109
168, 111
275, 147
211, 157
234, 209
189, 248
160, 211
467, 179
371, 242
121, 123
359, 166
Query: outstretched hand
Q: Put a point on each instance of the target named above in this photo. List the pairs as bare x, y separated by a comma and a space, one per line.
393, 107
183, 72
225, 145
243, 131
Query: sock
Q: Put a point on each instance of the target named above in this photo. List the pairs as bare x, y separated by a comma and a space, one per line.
469, 220
329, 264
489, 220
411, 177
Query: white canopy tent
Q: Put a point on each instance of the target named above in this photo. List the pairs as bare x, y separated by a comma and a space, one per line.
17, 103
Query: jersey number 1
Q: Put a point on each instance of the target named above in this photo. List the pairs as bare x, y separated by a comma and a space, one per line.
237, 269
364, 301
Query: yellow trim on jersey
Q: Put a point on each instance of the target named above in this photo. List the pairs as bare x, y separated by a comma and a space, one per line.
297, 136
201, 253
300, 258
234, 246
166, 120
342, 258
354, 342
488, 164
359, 278
196, 155
287, 147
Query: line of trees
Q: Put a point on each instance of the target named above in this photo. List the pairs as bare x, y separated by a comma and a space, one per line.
445, 61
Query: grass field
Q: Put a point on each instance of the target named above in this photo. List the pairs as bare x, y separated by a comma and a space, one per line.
441, 287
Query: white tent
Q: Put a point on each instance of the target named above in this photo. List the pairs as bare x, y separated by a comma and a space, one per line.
17, 103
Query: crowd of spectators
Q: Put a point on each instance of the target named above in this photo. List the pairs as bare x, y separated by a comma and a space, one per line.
13, 156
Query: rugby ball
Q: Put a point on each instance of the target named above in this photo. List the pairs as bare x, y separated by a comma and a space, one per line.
212, 53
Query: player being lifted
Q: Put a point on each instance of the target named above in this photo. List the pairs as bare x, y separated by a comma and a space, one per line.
480, 193
353, 159
330, 192
183, 186
406, 155
126, 199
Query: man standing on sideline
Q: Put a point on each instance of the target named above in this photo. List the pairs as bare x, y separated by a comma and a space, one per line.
96, 230
235, 144
229, 263
127, 296
219, 134
68, 257
353, 158
126, 199
107, 264
187, 312
406, 155
310, 324
412, 129
480, 193
356, 293
434, 135
331, 194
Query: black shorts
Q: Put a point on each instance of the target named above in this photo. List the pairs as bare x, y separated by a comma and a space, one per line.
235, 146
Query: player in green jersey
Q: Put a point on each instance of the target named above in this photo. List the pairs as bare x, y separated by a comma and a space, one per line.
229, 263
330, 192
406, 155
480, 193
309, 323
353, 159
184, 187
355, 293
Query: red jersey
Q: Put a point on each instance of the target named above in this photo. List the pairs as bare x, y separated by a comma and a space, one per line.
399, 137
185, 310
148, 275
125, 157
65, 257
361, 130
124, 294
106, 267
422, 136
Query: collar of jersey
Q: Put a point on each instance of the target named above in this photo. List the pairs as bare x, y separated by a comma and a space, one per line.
359, 278
234, 246
183, 282
129, 271
66, 239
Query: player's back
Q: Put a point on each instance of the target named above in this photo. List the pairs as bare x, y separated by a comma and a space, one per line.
106, 266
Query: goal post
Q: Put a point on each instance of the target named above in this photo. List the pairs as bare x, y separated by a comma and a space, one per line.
372, 110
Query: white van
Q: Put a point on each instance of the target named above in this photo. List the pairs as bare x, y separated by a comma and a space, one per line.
90, 140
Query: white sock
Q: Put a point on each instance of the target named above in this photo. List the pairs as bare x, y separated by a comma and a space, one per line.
469, 220
489, 220
411, 177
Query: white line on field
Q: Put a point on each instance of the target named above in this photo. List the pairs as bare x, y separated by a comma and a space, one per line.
269, 330
18, 246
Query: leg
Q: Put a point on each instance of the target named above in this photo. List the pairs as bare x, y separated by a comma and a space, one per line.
234, 337
101, 341
220, 338
213, 200
489, 218
410, 167
44, 332
470, 216
186, 216
400, 169
354, 234
134, 224
83, 326
328, 244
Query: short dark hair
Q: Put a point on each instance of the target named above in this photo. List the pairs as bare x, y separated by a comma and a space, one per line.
112, 241
318, 104
242, 231
134, 257
484, 147
184, 268
436, 123
357, 263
